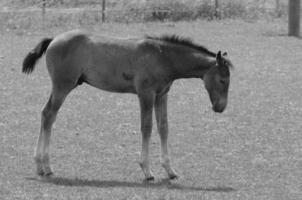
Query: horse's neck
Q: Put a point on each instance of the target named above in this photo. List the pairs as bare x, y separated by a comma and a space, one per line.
193, 65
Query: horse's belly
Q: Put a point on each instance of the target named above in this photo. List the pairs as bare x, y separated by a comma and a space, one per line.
111, 73
111, 83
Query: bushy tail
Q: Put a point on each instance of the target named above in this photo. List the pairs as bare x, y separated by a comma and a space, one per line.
32, 57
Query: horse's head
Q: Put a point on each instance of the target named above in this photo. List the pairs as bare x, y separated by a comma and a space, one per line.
217, 80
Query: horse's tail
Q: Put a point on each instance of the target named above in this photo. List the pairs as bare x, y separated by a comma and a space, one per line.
32, 57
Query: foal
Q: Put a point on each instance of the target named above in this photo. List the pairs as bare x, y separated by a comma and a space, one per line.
144, 66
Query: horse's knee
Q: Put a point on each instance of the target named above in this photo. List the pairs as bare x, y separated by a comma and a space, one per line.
146, 130
163, 131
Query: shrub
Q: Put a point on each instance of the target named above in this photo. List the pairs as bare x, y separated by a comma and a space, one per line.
233, 9
132, 11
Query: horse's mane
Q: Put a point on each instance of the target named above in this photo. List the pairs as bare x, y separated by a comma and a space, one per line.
176, 39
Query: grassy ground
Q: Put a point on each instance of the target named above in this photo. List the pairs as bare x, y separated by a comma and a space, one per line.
252, 151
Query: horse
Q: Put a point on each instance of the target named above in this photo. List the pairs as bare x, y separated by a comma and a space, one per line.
145, 66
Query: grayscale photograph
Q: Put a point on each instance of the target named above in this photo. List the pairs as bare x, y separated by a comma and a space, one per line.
150, 100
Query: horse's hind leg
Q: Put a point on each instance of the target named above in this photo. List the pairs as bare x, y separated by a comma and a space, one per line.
162, 126
47, 119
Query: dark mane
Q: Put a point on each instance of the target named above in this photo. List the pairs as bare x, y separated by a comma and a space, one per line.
176, 39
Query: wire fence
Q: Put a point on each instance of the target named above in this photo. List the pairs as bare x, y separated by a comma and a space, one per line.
28, 13
165, 7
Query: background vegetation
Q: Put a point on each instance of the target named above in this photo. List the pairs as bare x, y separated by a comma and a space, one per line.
27, 14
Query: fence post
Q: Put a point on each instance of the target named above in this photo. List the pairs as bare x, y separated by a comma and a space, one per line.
43, 13
294, 18
278, 8
217, 9
103, 10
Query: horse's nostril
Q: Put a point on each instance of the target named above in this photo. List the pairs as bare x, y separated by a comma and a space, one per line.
218, 108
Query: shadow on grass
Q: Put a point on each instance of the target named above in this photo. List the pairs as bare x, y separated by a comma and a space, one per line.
164, 183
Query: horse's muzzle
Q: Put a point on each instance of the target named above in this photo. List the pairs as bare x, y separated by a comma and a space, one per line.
219, 107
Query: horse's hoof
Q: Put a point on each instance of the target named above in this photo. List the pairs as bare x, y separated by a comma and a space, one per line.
151, 178
40, 173
173, 176
48, 174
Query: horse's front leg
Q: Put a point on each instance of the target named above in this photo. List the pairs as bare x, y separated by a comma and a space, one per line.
162, 126
146, 100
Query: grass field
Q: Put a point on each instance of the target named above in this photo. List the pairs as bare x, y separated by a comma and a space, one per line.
251, 151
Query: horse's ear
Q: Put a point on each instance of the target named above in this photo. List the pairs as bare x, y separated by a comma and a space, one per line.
225, 54
219, 57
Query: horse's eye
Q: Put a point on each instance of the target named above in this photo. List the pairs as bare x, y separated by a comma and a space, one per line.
223, 82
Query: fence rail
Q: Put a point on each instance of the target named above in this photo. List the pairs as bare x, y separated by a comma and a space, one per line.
107, 9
